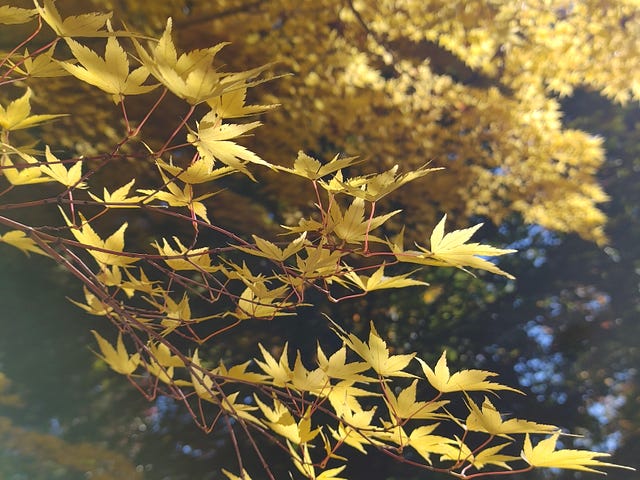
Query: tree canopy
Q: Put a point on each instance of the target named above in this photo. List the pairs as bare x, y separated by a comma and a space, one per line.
168, 219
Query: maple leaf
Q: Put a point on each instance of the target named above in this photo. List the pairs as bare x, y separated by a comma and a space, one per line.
374, 187
352, 227
55, 169
355, 428
257, 301
336, 366
213, 142
202, 382
110, 74
142, 284
267, 249
489, 420
308, 167
177, 197
238, 372
17, 115
119, 198
191, 76
422, 440
13, 15
232, 105
279, 371
20, 240
26, 173
451, 250
243, 475
117, 358
314, 381
376, 354
343, 396
544, 454
490, 456
281, 421
405, 405
86, 25
379, 281
229, 404
162, 363
41, 66
200, 171
94, 305
197, 259
319, 261
114, 244
463, 381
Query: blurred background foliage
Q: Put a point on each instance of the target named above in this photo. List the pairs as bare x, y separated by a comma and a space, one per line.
531, 108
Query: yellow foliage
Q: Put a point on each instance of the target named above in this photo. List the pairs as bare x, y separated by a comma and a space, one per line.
368, 79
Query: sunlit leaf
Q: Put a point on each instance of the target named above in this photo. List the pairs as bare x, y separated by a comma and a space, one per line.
451, 250
20, 240
463, 381
117, 358
17, 115
544, 454
85, 25
376, 354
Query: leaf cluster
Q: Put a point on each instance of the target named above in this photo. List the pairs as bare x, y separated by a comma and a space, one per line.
151, 293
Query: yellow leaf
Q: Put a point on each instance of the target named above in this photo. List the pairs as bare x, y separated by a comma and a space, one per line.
117, 358
229, 404
319, 261
336, 366
26, 173
422, 440
243, 476
451, 250
374, 187
279, 371
238, 372
490, 456
110, 74
191, 76
86, 25
267, 249
463, 381
197, 259
257, 301
119, 198
177, 197
405, 406
19, 239
213, 142
352, 227
314, 381
40, 66
544, 454
17, 115
379, 281
200, 171
355, 428
94, 305
280, 420
57, 171
202, 382
308, 167
110, 250
489, 420
376, 354
232, 105
13, 15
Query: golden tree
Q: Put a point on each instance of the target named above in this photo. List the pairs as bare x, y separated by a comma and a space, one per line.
339, 245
